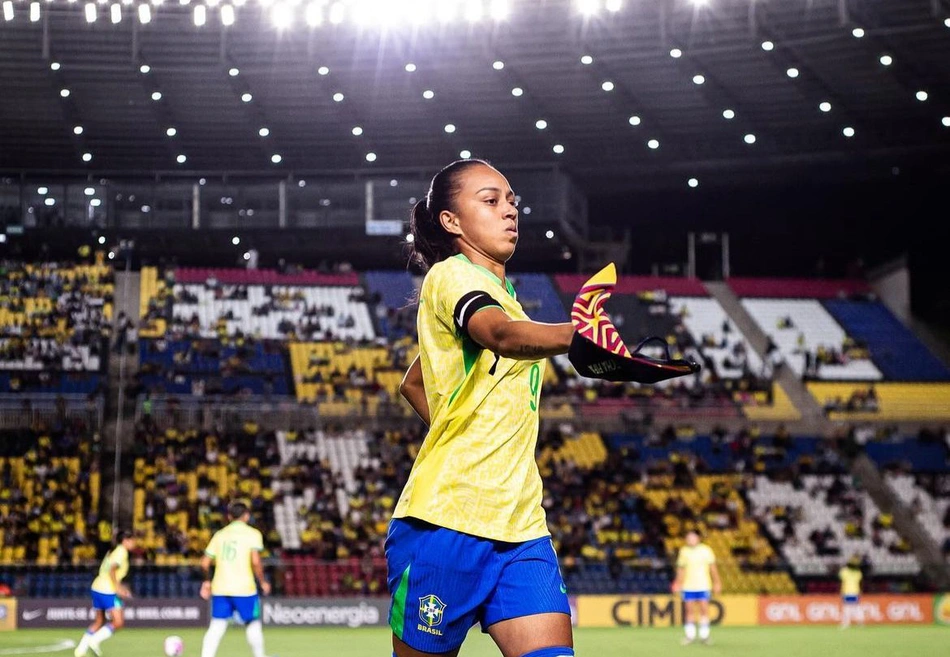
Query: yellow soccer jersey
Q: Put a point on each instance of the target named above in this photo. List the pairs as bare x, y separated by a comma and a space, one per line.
696, 562
476, 471
118, 557
850, 581
231, 549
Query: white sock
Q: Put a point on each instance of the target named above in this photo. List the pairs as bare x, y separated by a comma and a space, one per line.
84, 641
690, 630
102, 634
216, 629
255, 637
703, 628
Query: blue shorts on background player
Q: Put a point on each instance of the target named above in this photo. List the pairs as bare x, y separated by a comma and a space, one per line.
105, 592
696, 595
247, 608
105, 601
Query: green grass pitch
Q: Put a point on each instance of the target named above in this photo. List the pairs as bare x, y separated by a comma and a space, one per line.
881, 641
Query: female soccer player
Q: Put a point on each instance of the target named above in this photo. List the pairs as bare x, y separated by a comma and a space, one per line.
850, 576
107, 593
235, 553
696, 575
468, 541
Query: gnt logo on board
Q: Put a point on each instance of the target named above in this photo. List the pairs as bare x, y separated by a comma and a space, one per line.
431, 610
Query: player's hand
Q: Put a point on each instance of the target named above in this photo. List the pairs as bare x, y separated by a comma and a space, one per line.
717, 589
205, 592
265, 587
675, 587
123, 592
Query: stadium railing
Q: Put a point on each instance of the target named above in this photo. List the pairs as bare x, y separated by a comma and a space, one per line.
25, 410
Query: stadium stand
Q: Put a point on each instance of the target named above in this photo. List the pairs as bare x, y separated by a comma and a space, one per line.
342, 527
55, 325
617, 504
261, 303
392, 295
710, 327
208, 367
184, 480
896, 351
823, 520
691, 482
859, 401
928, 498
811, 341
539, 298
366, 376
49, 499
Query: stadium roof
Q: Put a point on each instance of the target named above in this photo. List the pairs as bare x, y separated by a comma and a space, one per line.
663, 70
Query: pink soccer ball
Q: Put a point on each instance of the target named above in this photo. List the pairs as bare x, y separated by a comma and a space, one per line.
174, 646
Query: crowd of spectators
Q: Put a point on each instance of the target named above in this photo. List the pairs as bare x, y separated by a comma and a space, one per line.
55, 319
300, 320
49, 489
188, 477
357, 530
862, 400
207, 366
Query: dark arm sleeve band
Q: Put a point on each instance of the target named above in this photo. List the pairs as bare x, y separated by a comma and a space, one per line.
468, 305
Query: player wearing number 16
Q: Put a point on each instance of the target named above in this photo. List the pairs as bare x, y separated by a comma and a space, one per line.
234, 551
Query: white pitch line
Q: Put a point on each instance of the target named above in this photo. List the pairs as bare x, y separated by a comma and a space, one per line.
39, 650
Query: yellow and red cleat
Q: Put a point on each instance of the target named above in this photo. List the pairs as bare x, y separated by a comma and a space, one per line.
597, 350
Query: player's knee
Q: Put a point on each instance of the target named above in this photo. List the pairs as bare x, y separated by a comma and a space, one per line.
553, 651
118, 623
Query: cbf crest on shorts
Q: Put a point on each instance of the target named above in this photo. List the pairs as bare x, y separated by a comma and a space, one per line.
430, 612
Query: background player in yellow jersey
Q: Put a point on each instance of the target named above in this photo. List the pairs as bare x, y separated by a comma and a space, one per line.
696, 576
107, 592
468, 542
235, 552
850, 576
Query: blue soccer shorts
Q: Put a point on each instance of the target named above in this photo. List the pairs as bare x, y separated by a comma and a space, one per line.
247, 607
105, 601
689, 596
850, 599
442, 582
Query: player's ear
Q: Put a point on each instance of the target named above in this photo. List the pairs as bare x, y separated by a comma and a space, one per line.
450, 222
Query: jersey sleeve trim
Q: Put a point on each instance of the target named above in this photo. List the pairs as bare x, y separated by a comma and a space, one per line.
470, 304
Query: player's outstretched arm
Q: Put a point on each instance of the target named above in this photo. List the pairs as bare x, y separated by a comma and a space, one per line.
413, 390
519, 339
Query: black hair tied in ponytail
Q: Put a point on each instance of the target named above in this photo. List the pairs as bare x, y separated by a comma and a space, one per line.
431, 243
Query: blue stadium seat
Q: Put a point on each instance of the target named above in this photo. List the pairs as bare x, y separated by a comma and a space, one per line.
895, 350
540, 299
